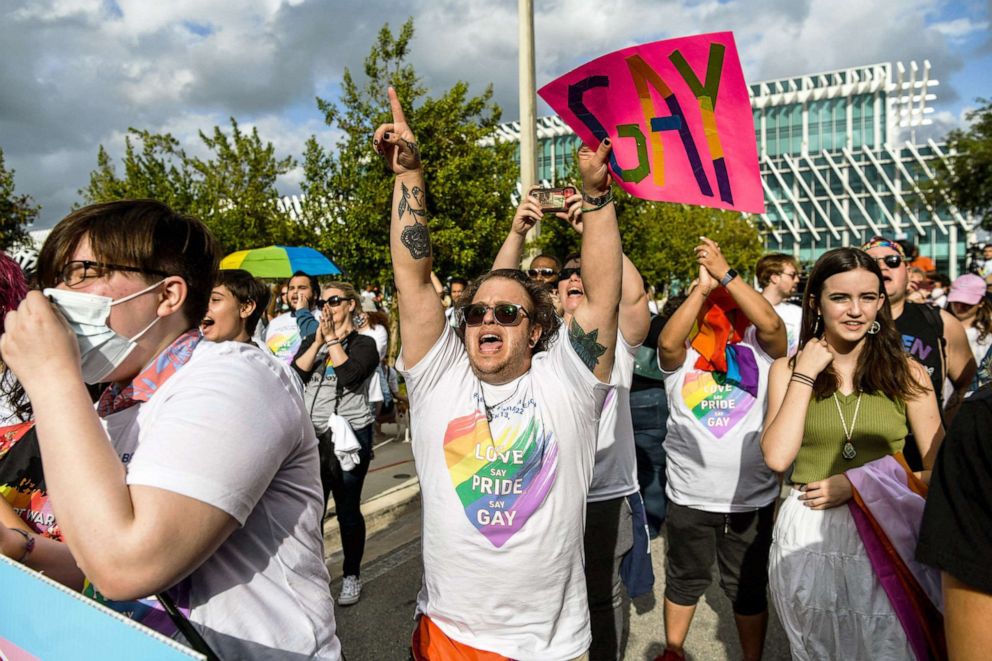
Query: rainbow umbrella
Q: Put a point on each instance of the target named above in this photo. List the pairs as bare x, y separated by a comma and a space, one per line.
280, 262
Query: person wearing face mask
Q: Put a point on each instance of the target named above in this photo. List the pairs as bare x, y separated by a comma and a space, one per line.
337, 365
195, 478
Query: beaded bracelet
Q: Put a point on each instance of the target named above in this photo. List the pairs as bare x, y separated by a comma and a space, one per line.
597, 202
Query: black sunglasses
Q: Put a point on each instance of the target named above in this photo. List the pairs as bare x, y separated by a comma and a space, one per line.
505, 314
541, 272
78, 270
892, 261
333, 301
565, 274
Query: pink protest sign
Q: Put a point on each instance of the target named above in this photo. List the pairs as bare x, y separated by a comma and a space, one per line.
679, 117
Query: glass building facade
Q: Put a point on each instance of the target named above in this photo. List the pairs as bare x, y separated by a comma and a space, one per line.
839, 161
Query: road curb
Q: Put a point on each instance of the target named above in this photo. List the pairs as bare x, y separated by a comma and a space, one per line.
380, 512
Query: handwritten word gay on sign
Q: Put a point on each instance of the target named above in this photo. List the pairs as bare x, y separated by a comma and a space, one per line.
679, 117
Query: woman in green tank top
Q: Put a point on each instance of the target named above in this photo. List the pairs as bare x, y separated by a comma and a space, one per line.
850, 396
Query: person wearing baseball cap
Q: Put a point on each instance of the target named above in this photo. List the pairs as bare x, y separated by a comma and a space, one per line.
969, 303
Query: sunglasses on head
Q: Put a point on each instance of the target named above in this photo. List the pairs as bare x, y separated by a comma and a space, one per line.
565, 274
333, 301
541, 272
892, 261
505, 314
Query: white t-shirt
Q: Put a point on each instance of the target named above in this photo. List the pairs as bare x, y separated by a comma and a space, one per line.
229, 429
978, 349
615, 472
504, 502
381, 337
713, 441
792, 316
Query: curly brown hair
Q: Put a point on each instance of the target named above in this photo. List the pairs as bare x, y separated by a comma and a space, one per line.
544, 310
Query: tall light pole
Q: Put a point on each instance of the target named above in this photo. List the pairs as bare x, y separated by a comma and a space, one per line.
528, 103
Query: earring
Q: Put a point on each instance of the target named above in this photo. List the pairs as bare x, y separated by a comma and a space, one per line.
874, 328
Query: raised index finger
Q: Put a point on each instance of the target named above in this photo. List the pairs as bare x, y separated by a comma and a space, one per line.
394, 104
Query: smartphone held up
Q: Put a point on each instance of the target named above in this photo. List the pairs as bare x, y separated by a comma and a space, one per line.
553, 199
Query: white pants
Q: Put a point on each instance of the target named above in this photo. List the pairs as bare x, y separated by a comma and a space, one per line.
825, 591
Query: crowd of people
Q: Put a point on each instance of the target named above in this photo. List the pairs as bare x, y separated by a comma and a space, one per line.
171, 435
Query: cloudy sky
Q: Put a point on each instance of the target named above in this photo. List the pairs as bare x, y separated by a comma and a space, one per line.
75, 74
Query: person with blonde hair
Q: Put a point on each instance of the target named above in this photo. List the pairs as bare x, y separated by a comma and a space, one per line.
337, 364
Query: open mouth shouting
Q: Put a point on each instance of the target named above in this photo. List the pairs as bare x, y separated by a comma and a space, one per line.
490, 343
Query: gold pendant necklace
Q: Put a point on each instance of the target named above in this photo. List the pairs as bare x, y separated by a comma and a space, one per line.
848, 451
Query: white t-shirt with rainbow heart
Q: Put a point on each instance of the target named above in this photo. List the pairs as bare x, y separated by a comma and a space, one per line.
504, 501
713, 441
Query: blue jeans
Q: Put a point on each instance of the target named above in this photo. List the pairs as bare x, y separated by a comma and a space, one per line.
649, 413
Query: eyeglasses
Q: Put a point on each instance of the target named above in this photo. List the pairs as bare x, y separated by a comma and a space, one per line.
505, 314
565, 274
891, 261
541, 273
791, 274
76, 271
333, 301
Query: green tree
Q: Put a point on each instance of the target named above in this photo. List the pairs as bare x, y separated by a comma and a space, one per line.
233, 190
17, 211
348, 192
659, 237
966, 178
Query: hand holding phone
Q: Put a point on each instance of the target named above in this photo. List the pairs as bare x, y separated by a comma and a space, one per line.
553, 199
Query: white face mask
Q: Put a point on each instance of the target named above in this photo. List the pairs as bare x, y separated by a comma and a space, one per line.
101, 348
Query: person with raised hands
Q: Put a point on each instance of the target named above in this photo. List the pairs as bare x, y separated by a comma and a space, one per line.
715, 352
504, 417
848, 399
614, 509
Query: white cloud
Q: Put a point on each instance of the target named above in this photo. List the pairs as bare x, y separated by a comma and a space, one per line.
78, 73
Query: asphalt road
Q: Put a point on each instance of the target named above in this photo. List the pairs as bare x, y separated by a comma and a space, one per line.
378, 627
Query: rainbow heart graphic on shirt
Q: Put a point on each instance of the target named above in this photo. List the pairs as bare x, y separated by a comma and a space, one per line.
500, 483
717, 407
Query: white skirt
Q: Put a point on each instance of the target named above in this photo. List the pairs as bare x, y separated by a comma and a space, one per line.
825, 591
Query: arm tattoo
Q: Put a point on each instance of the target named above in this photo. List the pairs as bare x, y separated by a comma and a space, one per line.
417, 240
406, 204
585, 344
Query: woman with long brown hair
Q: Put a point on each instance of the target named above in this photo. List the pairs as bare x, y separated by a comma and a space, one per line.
849, 397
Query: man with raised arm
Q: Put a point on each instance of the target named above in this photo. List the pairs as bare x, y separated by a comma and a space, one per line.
614, 510
505, 410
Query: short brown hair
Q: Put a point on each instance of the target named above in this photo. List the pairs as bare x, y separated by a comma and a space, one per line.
245, 287
773, 264
145, 234
544, 310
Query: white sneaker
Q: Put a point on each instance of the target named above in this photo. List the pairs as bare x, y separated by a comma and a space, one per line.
351, 591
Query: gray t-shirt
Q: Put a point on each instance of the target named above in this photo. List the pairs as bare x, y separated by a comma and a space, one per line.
325, 394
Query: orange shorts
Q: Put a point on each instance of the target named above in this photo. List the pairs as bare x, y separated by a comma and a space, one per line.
431, 644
